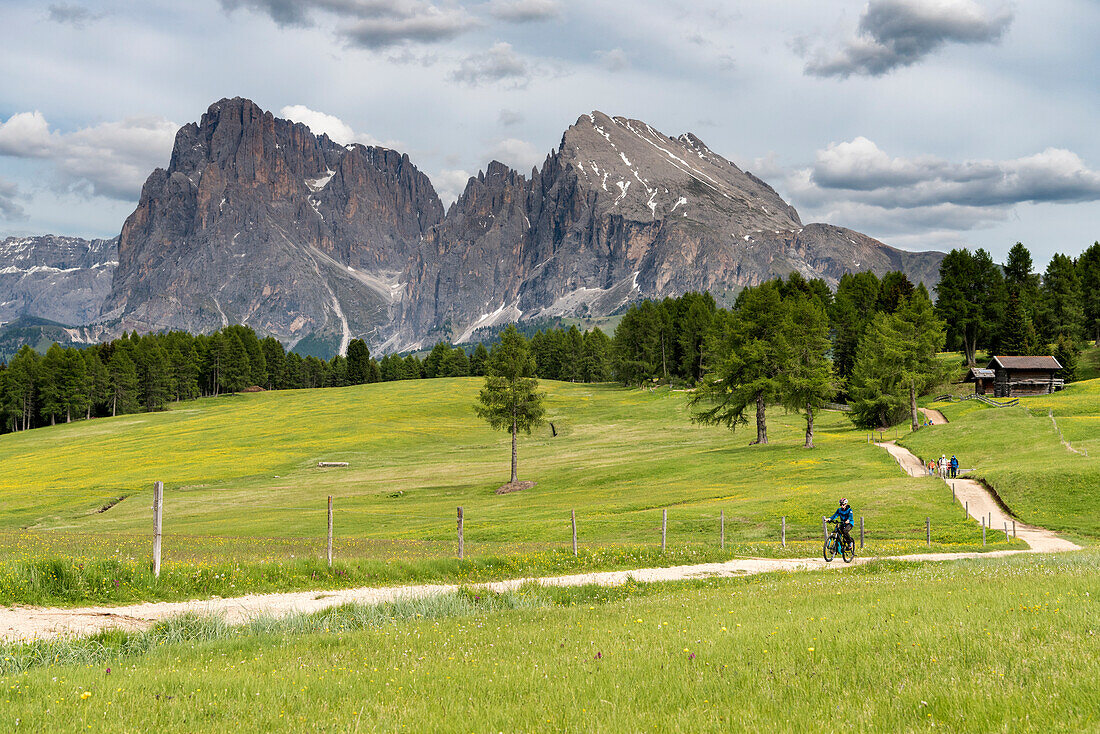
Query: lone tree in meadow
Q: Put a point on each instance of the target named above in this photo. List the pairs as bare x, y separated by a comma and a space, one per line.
510, 400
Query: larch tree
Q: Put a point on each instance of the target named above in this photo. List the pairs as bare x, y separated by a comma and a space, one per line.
806, 380
747, 360
918, 337
510, 400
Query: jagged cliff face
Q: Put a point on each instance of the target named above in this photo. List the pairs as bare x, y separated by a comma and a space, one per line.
61, 279
257, 221
619, 212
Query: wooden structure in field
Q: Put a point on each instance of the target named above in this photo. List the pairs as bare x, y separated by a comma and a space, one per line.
1017, 376
982, 377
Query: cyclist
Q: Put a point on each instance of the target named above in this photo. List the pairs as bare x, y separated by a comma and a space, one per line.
844, 514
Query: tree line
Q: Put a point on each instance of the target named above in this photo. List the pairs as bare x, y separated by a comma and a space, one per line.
1011, 310
792, 342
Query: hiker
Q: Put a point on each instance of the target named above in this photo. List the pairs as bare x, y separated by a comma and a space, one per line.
943, 466
954, 466
931, 468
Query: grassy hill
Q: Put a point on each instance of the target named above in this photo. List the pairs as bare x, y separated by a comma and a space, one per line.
1019, 452
245, 466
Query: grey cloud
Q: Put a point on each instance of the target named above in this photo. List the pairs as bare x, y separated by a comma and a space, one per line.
77, 16
614, 60
110, 159
859, 184
417, 22
372, 24
524, 11
9, 208
865, 171
510, 117
898, 33
499, 63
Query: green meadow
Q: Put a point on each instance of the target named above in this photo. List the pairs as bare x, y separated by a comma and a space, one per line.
1019, 452
1001, 644
245, 503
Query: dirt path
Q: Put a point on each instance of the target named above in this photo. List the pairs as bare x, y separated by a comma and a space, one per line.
21, 624
937, 418
981, 504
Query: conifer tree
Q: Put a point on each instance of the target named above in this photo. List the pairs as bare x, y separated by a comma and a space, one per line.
358, 366
478, 360
510, 399
124, 382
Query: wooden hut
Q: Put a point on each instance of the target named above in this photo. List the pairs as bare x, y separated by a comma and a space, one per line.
1017, 376
982, 377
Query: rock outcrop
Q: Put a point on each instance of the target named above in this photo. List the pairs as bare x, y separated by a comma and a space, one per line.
619, 212
258, 221
59, 279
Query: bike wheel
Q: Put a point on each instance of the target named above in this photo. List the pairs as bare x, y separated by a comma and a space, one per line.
848, 552
829, 552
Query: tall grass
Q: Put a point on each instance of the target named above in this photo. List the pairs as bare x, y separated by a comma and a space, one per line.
991, 645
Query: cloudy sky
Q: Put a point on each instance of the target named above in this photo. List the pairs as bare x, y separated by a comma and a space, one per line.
924, 123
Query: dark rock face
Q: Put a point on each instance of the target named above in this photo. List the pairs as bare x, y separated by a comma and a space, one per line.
60, 279
618, 213
258, 221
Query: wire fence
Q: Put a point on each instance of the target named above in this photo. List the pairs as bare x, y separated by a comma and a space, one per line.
361, 532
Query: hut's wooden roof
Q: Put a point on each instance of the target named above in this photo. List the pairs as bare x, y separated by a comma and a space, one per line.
1025, 363
980, 373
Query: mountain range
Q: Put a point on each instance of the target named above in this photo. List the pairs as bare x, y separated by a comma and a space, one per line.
258, 221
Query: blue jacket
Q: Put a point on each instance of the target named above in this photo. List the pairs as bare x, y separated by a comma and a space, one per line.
954, 463
844, 513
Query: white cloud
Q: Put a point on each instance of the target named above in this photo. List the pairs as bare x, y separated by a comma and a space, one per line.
524, 11
498, 64
331, 125
516, 153
898, 33
449, 184
110, 159
320, 123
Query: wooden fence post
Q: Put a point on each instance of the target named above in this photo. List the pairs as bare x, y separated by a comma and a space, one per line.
1013, 528
983, 531
1006, 531
824, 528
722, 530
573, 515
966, 510
664, 528
928, 531
461, 549
861, 531
158, 510
952, 491
783, 532
330, 531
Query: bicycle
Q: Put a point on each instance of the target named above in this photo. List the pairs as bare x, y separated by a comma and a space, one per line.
847, 548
